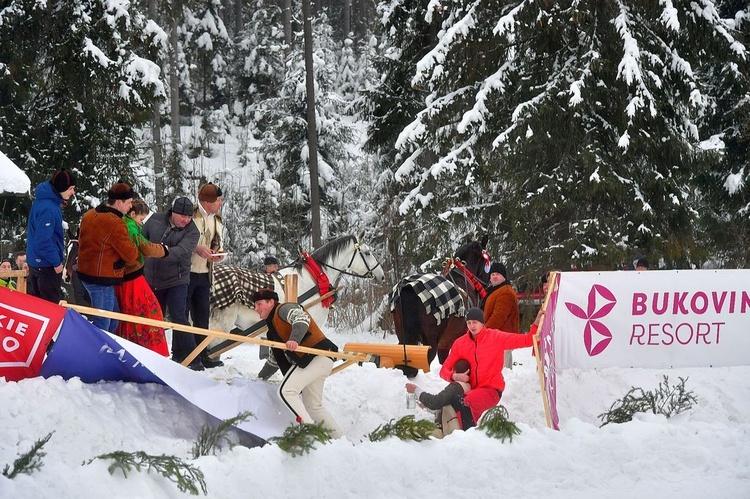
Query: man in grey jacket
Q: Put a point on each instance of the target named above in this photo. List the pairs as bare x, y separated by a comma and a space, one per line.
169, 276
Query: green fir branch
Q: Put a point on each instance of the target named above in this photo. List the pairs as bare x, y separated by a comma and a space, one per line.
495, 424
30, 461
300, 438
666, 400
211, 439
405, 428
186, 476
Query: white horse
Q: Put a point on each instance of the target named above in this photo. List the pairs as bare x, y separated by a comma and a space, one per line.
342, 256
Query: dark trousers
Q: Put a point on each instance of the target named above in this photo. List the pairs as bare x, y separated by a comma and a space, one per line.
45, 283
173, 301
80, 295
198, 300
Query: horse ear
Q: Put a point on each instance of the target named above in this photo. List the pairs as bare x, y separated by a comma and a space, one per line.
484, 241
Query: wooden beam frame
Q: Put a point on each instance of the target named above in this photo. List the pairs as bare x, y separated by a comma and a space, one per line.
211, 333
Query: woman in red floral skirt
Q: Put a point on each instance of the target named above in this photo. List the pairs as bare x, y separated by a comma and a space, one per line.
134, 295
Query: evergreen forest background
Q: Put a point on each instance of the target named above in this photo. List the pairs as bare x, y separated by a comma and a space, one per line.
576, 134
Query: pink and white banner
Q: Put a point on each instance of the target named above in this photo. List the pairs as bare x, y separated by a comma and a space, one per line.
652, 319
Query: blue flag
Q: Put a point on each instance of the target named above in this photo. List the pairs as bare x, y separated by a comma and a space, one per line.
84, 350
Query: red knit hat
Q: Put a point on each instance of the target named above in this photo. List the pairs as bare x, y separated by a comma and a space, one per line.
209, 193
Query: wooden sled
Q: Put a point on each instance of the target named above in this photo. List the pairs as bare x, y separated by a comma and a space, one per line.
390, 356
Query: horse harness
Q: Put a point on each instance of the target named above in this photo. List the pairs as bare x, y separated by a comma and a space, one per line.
324, 285
345, 270
468, 275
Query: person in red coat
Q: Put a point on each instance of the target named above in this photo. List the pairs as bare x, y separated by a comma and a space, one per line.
484, 349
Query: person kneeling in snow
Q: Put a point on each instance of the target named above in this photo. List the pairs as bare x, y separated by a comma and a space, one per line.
301, 391
484, 349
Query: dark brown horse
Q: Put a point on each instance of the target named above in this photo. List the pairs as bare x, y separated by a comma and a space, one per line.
428, 309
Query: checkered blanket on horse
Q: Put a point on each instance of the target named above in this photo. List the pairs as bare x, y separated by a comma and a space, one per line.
440, 296
233, 284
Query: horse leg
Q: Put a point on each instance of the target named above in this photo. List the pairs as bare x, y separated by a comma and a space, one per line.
454, 327
414, 325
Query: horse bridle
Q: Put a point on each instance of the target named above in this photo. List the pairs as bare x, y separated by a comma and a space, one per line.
358, 251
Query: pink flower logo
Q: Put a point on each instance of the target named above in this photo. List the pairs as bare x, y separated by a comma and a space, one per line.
598, 293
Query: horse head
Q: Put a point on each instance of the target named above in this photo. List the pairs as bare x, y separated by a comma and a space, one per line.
347, 255
476, 258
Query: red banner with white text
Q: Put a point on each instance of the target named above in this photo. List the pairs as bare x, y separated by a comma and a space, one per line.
27, 324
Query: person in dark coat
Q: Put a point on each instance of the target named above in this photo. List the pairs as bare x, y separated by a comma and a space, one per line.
501, 306
169, 277
45, 243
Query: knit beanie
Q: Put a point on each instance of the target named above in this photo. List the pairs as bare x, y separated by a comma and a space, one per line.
498, 268
182, 206
269, 260
62, 180
209, 193
475, 314
121, 191
265, 294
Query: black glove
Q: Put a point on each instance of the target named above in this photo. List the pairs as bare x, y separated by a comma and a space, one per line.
166, 250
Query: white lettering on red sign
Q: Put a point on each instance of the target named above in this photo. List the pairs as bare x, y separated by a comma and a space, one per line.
12, 328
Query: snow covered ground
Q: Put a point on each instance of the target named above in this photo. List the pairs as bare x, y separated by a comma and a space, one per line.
704, 452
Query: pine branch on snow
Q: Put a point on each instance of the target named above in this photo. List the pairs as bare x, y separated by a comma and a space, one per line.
666, 400
405, 428
211, 439
300, 438
495, 423
186, 476
28, 462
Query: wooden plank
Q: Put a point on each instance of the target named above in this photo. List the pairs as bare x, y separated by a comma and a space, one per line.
225, 346
206, 332
20, 276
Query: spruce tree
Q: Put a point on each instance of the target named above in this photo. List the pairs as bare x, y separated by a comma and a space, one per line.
569, 130
281, 126
74, 82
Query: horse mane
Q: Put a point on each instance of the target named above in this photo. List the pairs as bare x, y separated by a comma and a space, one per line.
333, 248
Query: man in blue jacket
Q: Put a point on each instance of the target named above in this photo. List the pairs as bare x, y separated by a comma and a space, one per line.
45, 244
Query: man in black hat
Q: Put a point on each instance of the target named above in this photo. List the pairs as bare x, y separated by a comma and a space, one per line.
305, 374
501, 305
45, 243
272, 264
169, 277
104, 249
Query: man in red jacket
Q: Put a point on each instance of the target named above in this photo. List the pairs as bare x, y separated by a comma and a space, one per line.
484, 349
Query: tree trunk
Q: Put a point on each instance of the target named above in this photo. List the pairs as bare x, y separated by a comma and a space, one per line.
238, 19
288, 25
174, 83
312, 133
347, 17
156, 144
